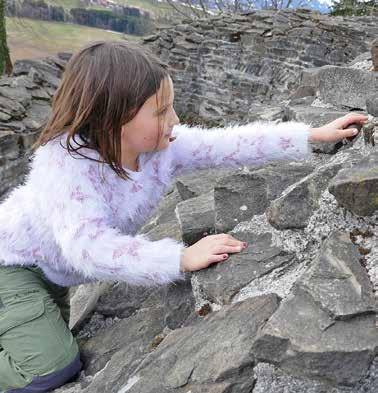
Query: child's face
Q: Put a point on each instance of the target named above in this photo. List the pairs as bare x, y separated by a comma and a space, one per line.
142, 132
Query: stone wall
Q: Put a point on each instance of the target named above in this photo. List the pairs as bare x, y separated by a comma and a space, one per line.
223, 68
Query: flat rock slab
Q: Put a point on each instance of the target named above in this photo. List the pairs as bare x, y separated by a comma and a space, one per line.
196, 217
356, 188
337, 281
84, 302
354, 86
315, 332
202, 182
132, 336
222, 281
240, 196
297, 203
215, 351
176, 301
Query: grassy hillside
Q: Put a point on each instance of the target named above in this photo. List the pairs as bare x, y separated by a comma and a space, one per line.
29, 38
157, 8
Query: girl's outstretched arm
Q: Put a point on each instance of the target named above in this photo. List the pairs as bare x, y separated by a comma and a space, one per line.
82, 228
254, 143
234, 146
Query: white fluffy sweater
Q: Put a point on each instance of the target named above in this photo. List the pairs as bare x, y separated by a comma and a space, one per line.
79, 228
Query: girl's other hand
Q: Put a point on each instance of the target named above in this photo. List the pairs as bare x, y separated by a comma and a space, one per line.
208, 250
336, 130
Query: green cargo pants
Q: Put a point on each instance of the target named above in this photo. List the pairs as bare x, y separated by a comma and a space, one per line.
35, 340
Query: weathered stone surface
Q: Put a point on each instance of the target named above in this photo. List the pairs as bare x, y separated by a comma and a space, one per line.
133, 336
165, 211
271, 49
170, 229
196, 217
255, 190
175, 301
372, 105
84, 301
297, 203
356, 188
222, 281
201, 182
337, 282
315, 332
22, 67
270, 379
9, 145
217, 351
354, 85
374, 54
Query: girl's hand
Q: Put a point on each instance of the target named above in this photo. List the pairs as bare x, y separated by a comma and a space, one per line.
208, 250
335, 131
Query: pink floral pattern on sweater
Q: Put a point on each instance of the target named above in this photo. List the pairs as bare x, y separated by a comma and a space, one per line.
236, 146
81, 227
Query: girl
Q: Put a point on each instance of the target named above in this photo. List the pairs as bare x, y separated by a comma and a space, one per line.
107, 155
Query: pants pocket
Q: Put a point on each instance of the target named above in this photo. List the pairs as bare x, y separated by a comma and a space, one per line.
34, 334
11, 317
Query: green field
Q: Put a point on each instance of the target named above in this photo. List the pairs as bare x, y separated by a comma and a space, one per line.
155, 7
28, 38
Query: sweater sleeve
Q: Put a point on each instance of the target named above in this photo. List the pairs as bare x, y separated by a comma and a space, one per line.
87, 239
251, 144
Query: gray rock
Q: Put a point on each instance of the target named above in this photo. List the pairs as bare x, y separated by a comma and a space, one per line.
270, 379
167, 229
19, 94
374, 54
306, 337
217, 352
84, 301
196, 217
9, 145
22, 67
12, 108
165, 212
337, 282
201, 182
356, 188
354, 86
175, 301
220, 282
297, 203
372, 105
131, 337
240, 196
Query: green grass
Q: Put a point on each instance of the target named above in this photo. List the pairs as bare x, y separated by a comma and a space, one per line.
28, 38
148, 5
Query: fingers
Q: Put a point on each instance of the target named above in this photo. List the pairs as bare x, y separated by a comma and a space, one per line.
223, 249
354, 118
227, 239
217, 258
348, 132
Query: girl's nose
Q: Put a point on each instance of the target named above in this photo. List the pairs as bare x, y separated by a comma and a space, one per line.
175, 120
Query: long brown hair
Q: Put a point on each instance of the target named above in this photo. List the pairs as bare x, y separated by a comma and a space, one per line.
103, 87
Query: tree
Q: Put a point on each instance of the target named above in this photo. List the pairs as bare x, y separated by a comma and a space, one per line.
353, 7
5, 61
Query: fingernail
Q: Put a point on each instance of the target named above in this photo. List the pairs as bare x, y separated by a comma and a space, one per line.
355, 132
245, 245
